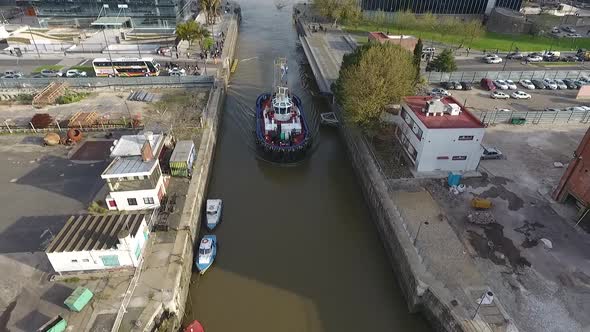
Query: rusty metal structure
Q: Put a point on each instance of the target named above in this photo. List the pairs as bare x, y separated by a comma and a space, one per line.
575, 182
49, 94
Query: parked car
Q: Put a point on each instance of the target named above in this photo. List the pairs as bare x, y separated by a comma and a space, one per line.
50, 73
457, 85
428, 50
570, 83
75, 73
527, 84
560, 84
553, 53
574, 35
447, 85
538, 84
439, 92
552, 110
534, 58
12, 74
555, 30
515, 55
511, 85
466, 85
569, 29
505, 110
570, 58
487, 84
520, 95
574, 109
501, 84
491, 153
499, 95
579, 83
551, 58
497, 59
550, 84
176, 72
489, 56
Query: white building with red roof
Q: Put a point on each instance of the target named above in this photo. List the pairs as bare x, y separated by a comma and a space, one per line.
439, 134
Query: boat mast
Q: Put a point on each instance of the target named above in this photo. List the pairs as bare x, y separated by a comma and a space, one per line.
280, 75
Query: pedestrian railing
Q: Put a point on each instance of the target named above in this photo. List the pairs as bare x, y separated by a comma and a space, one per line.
533, 117
96, 82
476, 76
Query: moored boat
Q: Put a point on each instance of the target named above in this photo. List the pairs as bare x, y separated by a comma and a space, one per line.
213, 212
207, 253
282, 134
195, 326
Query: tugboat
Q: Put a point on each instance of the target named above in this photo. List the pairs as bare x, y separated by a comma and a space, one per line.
282, 134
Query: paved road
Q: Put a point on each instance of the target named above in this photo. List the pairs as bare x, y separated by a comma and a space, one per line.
516, 65
24, 66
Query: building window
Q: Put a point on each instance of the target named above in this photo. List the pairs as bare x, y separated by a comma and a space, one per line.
442, 157
466, 138
459, 157
148, 200
131, 201
85, 260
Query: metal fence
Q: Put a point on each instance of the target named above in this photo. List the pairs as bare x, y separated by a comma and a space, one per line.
96, 82
476, 76
533, 117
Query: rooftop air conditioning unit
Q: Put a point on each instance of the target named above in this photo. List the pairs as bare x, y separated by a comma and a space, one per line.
453, 109
434, 107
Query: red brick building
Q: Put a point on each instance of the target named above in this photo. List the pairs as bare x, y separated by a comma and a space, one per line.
575, 182
407, 42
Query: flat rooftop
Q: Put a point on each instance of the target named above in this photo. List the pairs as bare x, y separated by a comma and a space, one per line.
95, 232
130, 145
128, 166
464, 120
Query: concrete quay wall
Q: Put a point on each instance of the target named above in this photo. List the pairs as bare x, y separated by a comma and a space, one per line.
423, 293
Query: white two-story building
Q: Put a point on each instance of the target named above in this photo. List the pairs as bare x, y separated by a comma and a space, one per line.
134, 177
439, 134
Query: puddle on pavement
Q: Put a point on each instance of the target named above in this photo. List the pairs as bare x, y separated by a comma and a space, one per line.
493, 241
528, 230
497, 190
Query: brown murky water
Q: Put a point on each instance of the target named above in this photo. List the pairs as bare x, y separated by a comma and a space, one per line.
297, 248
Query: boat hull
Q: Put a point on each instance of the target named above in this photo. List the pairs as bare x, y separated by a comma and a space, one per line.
203, 267
195, 326
276, 153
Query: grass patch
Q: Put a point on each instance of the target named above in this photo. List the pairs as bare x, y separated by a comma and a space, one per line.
70, 97
556, 64
50, 67
25, 98
72, 280
489, 41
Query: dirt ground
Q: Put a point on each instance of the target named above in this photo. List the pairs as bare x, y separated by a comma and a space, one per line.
542, 288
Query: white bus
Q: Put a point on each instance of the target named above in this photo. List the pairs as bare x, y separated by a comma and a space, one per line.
125, 67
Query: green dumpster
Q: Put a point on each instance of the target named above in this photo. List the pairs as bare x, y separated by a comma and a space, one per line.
181, 161
78, 299
57, 324
517, 121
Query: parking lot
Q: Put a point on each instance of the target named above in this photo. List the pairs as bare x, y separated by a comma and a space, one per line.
478, 99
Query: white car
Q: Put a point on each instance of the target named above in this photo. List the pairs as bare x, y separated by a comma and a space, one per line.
496, 59
550, 84
552, 110
499, 95
439, 92
527, 84
50, 73
535, 58
520, 95
511, 85
75, 73
176, 72
505, 110
576, 108
561, 84
501, 84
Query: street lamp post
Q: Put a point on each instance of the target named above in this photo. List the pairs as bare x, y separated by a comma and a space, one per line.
510, 51
34, 43
108, 51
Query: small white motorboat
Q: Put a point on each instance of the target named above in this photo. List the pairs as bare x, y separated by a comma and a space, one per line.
207, 253
213, 212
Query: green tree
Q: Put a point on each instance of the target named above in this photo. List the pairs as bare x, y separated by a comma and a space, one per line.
444, 62
339, 10
191, 31
418, 53
211, 9
371, 77
472, 30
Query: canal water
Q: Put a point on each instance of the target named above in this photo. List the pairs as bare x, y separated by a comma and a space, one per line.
297, 248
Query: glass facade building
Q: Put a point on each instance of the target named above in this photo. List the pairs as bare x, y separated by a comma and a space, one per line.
142, 13
456, 7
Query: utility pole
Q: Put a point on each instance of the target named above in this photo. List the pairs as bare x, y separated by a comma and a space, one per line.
34, 43
108, 50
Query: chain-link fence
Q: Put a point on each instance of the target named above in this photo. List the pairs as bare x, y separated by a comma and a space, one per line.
96, 82
476, 76
533, 117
